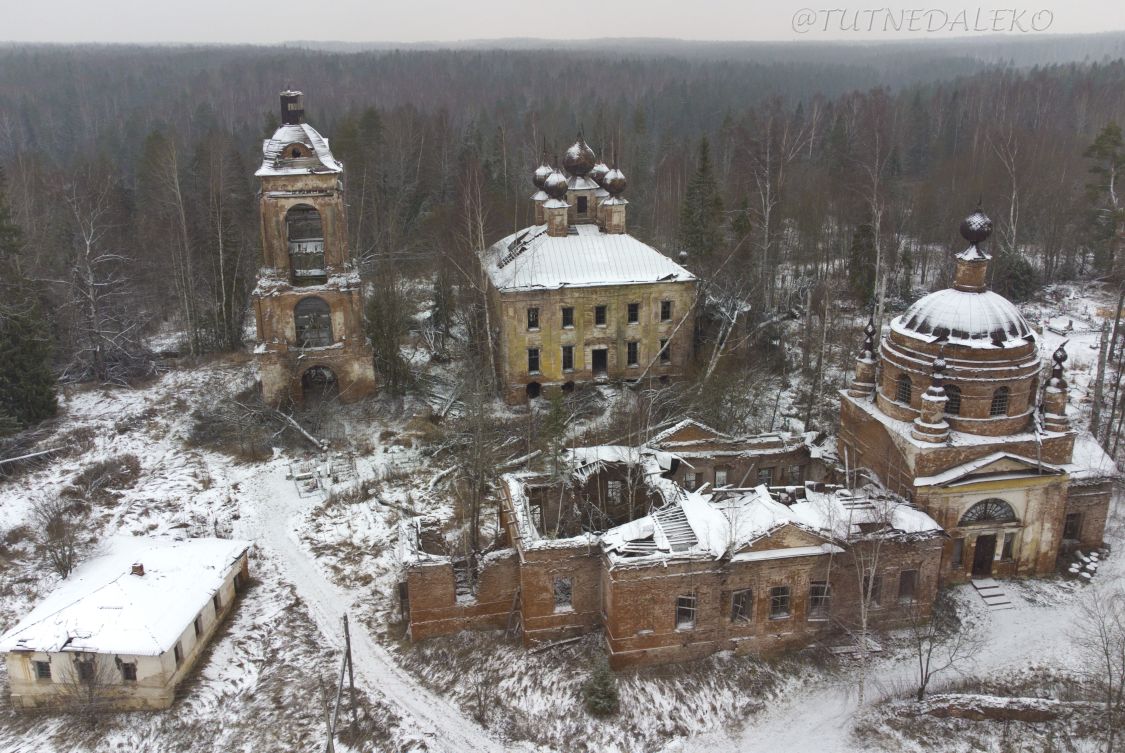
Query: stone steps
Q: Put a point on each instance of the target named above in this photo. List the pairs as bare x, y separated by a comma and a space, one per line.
995, 597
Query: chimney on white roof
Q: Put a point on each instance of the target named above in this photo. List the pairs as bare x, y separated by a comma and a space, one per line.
138, 568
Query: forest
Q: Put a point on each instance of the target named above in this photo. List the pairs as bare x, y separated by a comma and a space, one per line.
796, 185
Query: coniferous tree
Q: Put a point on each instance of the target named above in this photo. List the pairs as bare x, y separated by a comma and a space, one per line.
861, 263
1107, 155
600, 691
702, 214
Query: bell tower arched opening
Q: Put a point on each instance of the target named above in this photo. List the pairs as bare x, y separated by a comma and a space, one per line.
319, 383
304, 232
312, 319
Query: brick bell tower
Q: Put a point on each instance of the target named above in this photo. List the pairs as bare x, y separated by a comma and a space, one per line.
309, 301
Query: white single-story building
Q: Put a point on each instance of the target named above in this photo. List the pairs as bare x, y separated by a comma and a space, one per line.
126, 626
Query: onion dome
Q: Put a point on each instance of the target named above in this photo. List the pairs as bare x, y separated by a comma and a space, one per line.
966, 318
598, 172
579, 158
555, 185
541, 174
614, 182
976, 227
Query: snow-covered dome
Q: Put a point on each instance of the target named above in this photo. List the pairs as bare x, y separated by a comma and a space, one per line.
539, 177
579, 158
972, 318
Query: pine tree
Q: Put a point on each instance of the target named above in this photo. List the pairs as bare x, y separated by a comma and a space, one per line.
1104, 195
861, 263
27, 384
702, 215
600, 691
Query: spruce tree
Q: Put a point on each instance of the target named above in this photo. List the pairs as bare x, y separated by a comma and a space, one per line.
702, 215
1107, 155
600, 691
861, 264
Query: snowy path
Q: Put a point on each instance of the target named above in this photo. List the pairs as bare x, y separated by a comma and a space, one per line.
273, 504
820, 718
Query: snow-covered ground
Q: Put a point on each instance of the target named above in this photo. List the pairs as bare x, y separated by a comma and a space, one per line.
322, 553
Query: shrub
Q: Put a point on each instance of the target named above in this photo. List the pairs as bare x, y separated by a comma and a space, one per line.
600, 691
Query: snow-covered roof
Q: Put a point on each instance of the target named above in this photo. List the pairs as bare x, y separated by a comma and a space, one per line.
586, 461
702, 526
1089, 461
531, 259
275, 163
103, 608
684, 424
1024, 466
966, 318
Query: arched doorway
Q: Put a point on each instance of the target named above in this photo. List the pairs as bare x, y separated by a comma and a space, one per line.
319, 383
986, 513
304, 232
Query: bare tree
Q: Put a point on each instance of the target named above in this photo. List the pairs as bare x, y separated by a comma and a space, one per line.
941, 642
1102, 637
88, 684
57, 533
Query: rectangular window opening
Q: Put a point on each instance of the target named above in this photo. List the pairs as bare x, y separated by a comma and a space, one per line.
765, 476
564, 594
568, 317
721, 474
198, 625
42, 670
634, 313
665, 352
685, 612
129, 671
85, 670
533, 318
690, 481
533, 360
217, 602
178, 652
633, 353
958, 557
1072, 528
614, 490
665, 311
873, 589
599, 316
742, 606
568, 357
907, 586
1009, 546
820, 595
779, 603
583, 204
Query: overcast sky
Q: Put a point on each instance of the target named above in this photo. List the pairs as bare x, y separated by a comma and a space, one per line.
263, 22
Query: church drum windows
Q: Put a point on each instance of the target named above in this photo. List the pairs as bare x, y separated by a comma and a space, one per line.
999, 406
312, 319
953, 403
903, 389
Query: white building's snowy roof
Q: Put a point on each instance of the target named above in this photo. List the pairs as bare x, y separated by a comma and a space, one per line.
1089, 461
531, 259
275, 163
959, 317
103, 608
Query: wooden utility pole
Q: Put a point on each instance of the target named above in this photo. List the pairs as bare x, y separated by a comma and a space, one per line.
351, 671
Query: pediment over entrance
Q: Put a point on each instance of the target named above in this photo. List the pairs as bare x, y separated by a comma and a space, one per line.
994, 467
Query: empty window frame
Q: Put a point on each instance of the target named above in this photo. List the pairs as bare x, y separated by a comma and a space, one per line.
533, 318
614, 490
721, 474
129, 671
765, 476
999, 406
742, 606
793, 474
820, 596
533, 360
685, 612
907, 586
690, 481
42, 670
564, 594
1008, 552
1072, 527
953, 402
312, 320
665, 311
178, 652
634, 313
779, 603
568, 358
583, 205
568, 317
87, 669
873, 589
198, 625
217, 602
599, 316
665, 352
632, 353
957, 558
903, 389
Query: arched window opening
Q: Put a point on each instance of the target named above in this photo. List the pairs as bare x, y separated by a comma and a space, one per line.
313, 320
953, 404
305, 234
989, 511
903, 389
319, 383
999, 405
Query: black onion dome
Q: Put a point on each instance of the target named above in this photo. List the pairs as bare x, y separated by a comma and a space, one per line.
541, 174
614, 182
579, 158
599, 172
555, 185
976, 227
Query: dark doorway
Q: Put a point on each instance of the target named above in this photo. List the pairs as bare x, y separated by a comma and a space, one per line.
533, 390
983, 553
601, 360
319, 383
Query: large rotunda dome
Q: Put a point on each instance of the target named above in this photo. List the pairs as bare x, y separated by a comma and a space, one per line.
965, 318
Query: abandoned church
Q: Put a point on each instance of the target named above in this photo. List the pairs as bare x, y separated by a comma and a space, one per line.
954, 460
